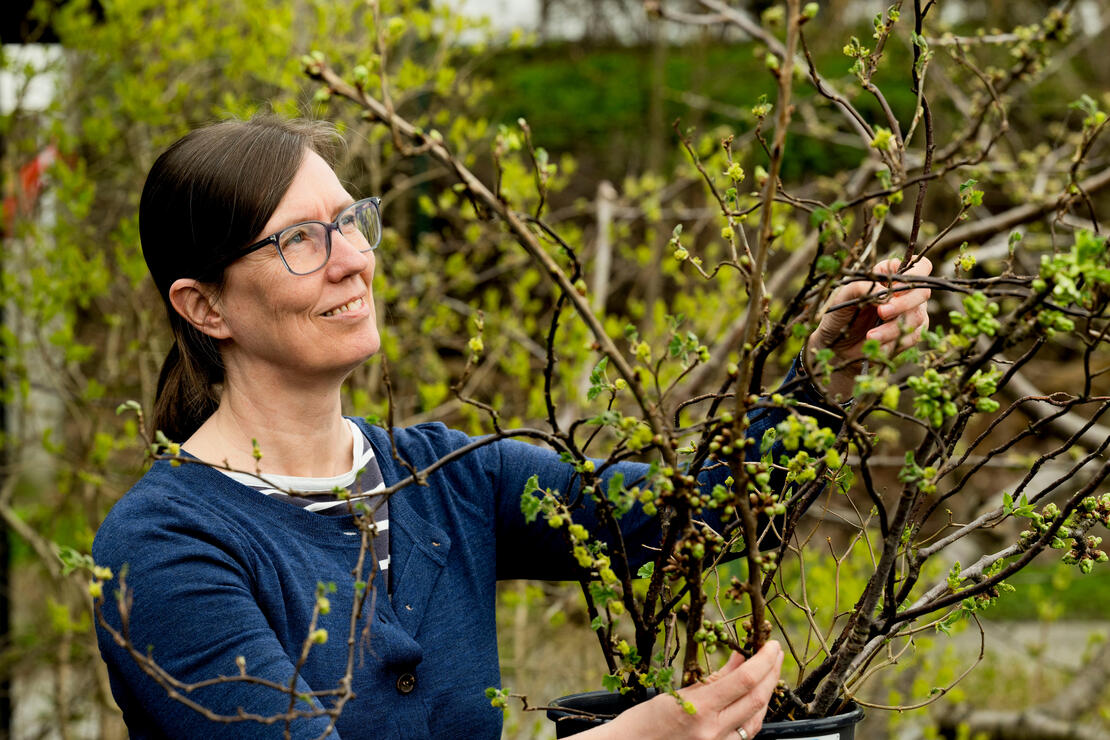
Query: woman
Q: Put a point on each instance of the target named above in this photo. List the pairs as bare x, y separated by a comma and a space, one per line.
270, 313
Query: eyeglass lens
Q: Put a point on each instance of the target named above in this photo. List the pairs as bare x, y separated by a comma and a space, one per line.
305, 246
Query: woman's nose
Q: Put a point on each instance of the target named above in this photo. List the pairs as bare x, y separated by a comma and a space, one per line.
346, 259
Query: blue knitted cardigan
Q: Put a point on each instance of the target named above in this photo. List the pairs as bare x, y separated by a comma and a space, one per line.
218, 570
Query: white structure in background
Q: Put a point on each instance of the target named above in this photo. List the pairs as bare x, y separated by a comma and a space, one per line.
1091, 15
29, 80
16, 89
505, 14
527, 15
28, 84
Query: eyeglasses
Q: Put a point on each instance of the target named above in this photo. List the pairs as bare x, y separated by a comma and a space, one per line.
306, 247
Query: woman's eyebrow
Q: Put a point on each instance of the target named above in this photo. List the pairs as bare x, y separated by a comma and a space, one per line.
346, 204
334, 214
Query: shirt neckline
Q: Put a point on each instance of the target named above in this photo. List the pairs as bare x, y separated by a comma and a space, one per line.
309, 483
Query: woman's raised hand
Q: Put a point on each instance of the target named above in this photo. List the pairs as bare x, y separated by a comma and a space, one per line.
896, 322
732, 699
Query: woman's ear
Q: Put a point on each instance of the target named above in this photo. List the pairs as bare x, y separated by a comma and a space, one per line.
197, 304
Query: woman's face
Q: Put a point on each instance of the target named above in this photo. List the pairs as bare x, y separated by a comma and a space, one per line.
301, 327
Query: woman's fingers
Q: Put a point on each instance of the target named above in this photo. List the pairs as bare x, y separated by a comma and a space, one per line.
894, 302
905, 312
734, 696
737, 678
913, 322
735, 660
902, 301
748, 711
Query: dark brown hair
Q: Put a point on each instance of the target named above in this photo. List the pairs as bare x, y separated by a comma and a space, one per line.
210, 193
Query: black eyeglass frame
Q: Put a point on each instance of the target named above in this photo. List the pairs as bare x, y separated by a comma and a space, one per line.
328, 228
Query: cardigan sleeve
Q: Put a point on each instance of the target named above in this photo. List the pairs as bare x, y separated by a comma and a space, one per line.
536, 550
194, 611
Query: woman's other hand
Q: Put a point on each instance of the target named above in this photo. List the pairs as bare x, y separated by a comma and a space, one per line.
896, 322
729, 700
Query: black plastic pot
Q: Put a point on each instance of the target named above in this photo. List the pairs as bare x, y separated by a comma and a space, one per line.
609, 705
839, 727
604, 703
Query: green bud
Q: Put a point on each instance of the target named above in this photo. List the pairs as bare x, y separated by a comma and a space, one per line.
883, 139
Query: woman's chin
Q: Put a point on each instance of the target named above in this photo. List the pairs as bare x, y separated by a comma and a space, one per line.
372, 346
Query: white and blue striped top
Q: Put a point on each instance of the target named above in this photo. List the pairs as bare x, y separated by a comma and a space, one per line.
319, 494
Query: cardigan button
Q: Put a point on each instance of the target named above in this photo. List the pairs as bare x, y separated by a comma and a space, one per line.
406, 683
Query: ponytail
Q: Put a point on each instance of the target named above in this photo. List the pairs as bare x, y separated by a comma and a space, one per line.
187, 391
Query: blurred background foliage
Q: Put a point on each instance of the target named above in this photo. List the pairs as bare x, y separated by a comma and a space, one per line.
599, 83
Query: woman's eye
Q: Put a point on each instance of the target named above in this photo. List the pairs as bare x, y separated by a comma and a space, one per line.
294, 238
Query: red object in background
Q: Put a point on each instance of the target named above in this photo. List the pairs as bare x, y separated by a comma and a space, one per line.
28, 187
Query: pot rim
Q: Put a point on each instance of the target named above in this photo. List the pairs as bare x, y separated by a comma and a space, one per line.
852, 713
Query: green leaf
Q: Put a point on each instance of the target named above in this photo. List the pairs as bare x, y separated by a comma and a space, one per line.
598, 382
646, 570
1086, 104
597, 375
530, 504
616, 487
954, 576
73, 560
601, 593
128, 406
1099, 274
674, 347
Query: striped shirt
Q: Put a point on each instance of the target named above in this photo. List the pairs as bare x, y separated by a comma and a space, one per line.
319, 495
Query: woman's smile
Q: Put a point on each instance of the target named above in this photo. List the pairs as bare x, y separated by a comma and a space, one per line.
353, 309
